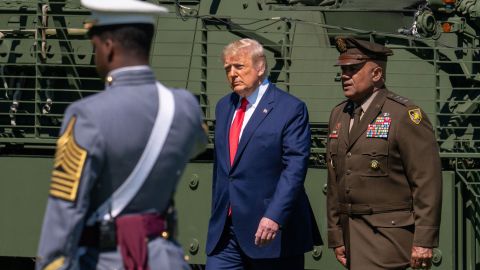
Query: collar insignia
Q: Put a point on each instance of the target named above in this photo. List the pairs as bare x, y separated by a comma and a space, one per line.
335, 131
341, 45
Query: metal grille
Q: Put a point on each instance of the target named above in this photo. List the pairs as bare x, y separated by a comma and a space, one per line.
46, 63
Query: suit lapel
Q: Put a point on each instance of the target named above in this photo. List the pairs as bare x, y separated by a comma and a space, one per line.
231, 109
368, 117
263, 109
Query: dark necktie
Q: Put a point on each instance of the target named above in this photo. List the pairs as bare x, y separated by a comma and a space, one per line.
236, 128
356, 117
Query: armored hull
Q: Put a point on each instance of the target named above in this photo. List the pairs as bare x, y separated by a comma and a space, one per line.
46, 63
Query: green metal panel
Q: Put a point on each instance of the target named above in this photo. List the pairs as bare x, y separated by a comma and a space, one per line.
25, 205
24, 187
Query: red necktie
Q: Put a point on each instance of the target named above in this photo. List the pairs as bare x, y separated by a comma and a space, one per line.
236, 128
235, 134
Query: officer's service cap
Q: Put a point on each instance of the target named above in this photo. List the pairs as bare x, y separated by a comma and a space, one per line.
113, 12
355, 51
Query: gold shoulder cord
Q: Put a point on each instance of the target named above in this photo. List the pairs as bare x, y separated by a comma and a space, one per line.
69, 162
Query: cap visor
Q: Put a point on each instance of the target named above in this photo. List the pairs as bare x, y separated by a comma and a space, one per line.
348, 62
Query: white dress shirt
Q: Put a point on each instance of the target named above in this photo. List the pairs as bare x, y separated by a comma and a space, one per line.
253, 101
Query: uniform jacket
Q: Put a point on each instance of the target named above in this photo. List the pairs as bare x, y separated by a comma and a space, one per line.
267, 176
385, 167
103, 136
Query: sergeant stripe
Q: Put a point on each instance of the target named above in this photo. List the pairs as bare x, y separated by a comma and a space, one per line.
63, 183
69, 161
56, 264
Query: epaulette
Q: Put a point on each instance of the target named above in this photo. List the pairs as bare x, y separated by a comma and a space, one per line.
343, 101
399, 99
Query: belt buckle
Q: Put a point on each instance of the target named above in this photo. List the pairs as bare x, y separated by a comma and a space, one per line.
107, 235
349, 210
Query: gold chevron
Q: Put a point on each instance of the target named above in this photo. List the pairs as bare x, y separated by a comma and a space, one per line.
69, 161
56, 264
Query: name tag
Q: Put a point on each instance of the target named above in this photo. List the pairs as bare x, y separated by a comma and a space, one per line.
335, 131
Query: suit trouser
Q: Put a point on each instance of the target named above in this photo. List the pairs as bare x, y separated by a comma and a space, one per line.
228, 255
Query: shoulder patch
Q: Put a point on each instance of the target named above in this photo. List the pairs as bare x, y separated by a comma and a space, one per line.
399, 99
415, 115
69, 161
56, 264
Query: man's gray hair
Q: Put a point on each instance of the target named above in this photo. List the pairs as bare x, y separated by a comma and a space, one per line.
253, 47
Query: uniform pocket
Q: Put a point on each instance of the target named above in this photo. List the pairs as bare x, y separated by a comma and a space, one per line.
391, 219
375, 160
333, 150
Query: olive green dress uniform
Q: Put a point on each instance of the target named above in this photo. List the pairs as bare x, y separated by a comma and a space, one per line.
384, 182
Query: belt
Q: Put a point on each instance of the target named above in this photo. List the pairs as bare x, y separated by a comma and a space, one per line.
370, 209
152, 225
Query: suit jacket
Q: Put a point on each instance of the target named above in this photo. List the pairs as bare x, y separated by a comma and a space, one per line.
267, 176
389, 163
103, 136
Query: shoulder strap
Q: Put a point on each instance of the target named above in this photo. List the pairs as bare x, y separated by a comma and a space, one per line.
114, 205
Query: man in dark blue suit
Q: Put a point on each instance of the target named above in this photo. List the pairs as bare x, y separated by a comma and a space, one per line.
261, 216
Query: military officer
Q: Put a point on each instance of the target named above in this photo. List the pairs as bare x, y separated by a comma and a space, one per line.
120, 155
384, 171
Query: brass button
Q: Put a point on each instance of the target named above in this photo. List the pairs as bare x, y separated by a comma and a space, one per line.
109, 80
348, 172
165, 234
349, 154
374, 164
393, 222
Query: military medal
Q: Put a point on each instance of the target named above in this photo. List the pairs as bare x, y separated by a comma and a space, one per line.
374, 164
380, 127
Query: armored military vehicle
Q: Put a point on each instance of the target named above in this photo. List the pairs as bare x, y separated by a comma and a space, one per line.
46, 63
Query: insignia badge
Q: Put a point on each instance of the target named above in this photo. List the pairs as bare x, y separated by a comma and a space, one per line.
109, 80
341, 45
335, 131
374, 164
56, 264
265, 111
415, 115
380, 127
68, 166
